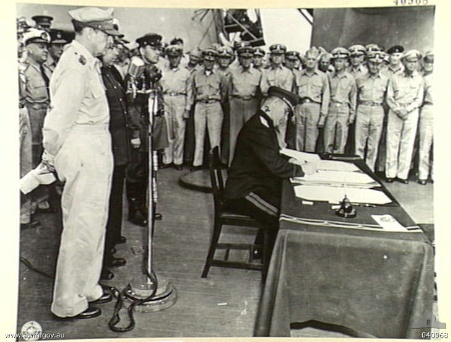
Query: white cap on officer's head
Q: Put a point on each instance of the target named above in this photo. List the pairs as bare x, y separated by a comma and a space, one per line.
36, 36
96, 18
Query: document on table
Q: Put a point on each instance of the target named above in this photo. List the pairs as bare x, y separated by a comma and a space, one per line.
335, 194
300, 156
341, 177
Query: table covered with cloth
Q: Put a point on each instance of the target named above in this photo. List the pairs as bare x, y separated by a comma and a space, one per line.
375, 282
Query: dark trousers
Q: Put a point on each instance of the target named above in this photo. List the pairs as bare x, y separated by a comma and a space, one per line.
114, 222
263, 206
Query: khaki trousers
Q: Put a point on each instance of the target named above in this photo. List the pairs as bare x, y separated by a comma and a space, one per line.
174, 109
426, 140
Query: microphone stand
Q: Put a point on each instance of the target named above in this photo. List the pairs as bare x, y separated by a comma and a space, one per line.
153, 292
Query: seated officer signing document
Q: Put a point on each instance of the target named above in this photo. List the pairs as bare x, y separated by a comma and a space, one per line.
255, 176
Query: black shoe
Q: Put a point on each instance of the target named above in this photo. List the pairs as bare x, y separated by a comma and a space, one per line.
178, 167
90, 312
116, 262
389, 180
136, 217
165, 166
403, 181
105, 298
422, 181
121, 240
106, 275
32, 225
158, 216
195, 168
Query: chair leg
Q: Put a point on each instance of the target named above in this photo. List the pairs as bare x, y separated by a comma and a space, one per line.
211, 252
265, 254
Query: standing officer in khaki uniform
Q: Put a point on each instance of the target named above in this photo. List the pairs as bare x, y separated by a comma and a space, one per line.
243, 87
343, 93
426, 130
77, 143
404, 97
312, 87
276, 75
37, 78
175, 82
394, 67
371, 91
208, 91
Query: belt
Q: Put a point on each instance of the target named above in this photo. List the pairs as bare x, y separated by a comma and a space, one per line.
245, 98
307, 100
38, 106
336, 103
174, 94
370, 103
207, 101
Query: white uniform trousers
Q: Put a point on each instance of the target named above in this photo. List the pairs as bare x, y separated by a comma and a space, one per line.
336, 128
400, 141
207, 116
174, 108
307, 117
240, 112
368, 130
85, 164
426, 139
25, 161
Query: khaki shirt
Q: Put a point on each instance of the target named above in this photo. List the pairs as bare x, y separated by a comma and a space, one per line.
389, 72
176, 82
207, 87
77, 96
372, 88
359, 71
281, 77
36, 89
343, 90
428, 88
405, 92
244, 83
314, 86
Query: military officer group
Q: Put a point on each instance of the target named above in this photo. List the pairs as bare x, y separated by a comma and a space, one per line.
86, 101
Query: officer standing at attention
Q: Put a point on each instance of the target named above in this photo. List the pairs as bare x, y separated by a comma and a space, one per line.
208, 91
124, 136
394, 67
426, 131
139, 92
404, 97
243, 87
37, 79
77, 144
357, 57
371, 92
312, 87
175, 82
343, 94
276, 75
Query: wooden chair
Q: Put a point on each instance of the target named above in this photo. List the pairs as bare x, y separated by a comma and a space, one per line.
223, 216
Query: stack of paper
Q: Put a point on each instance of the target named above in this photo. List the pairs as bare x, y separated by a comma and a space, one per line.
300, 156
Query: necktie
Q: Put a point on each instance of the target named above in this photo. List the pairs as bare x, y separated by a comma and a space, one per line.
45, 77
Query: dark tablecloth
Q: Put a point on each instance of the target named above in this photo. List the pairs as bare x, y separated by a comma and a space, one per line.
377, 283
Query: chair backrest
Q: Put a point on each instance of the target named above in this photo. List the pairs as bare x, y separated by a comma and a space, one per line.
217, 181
